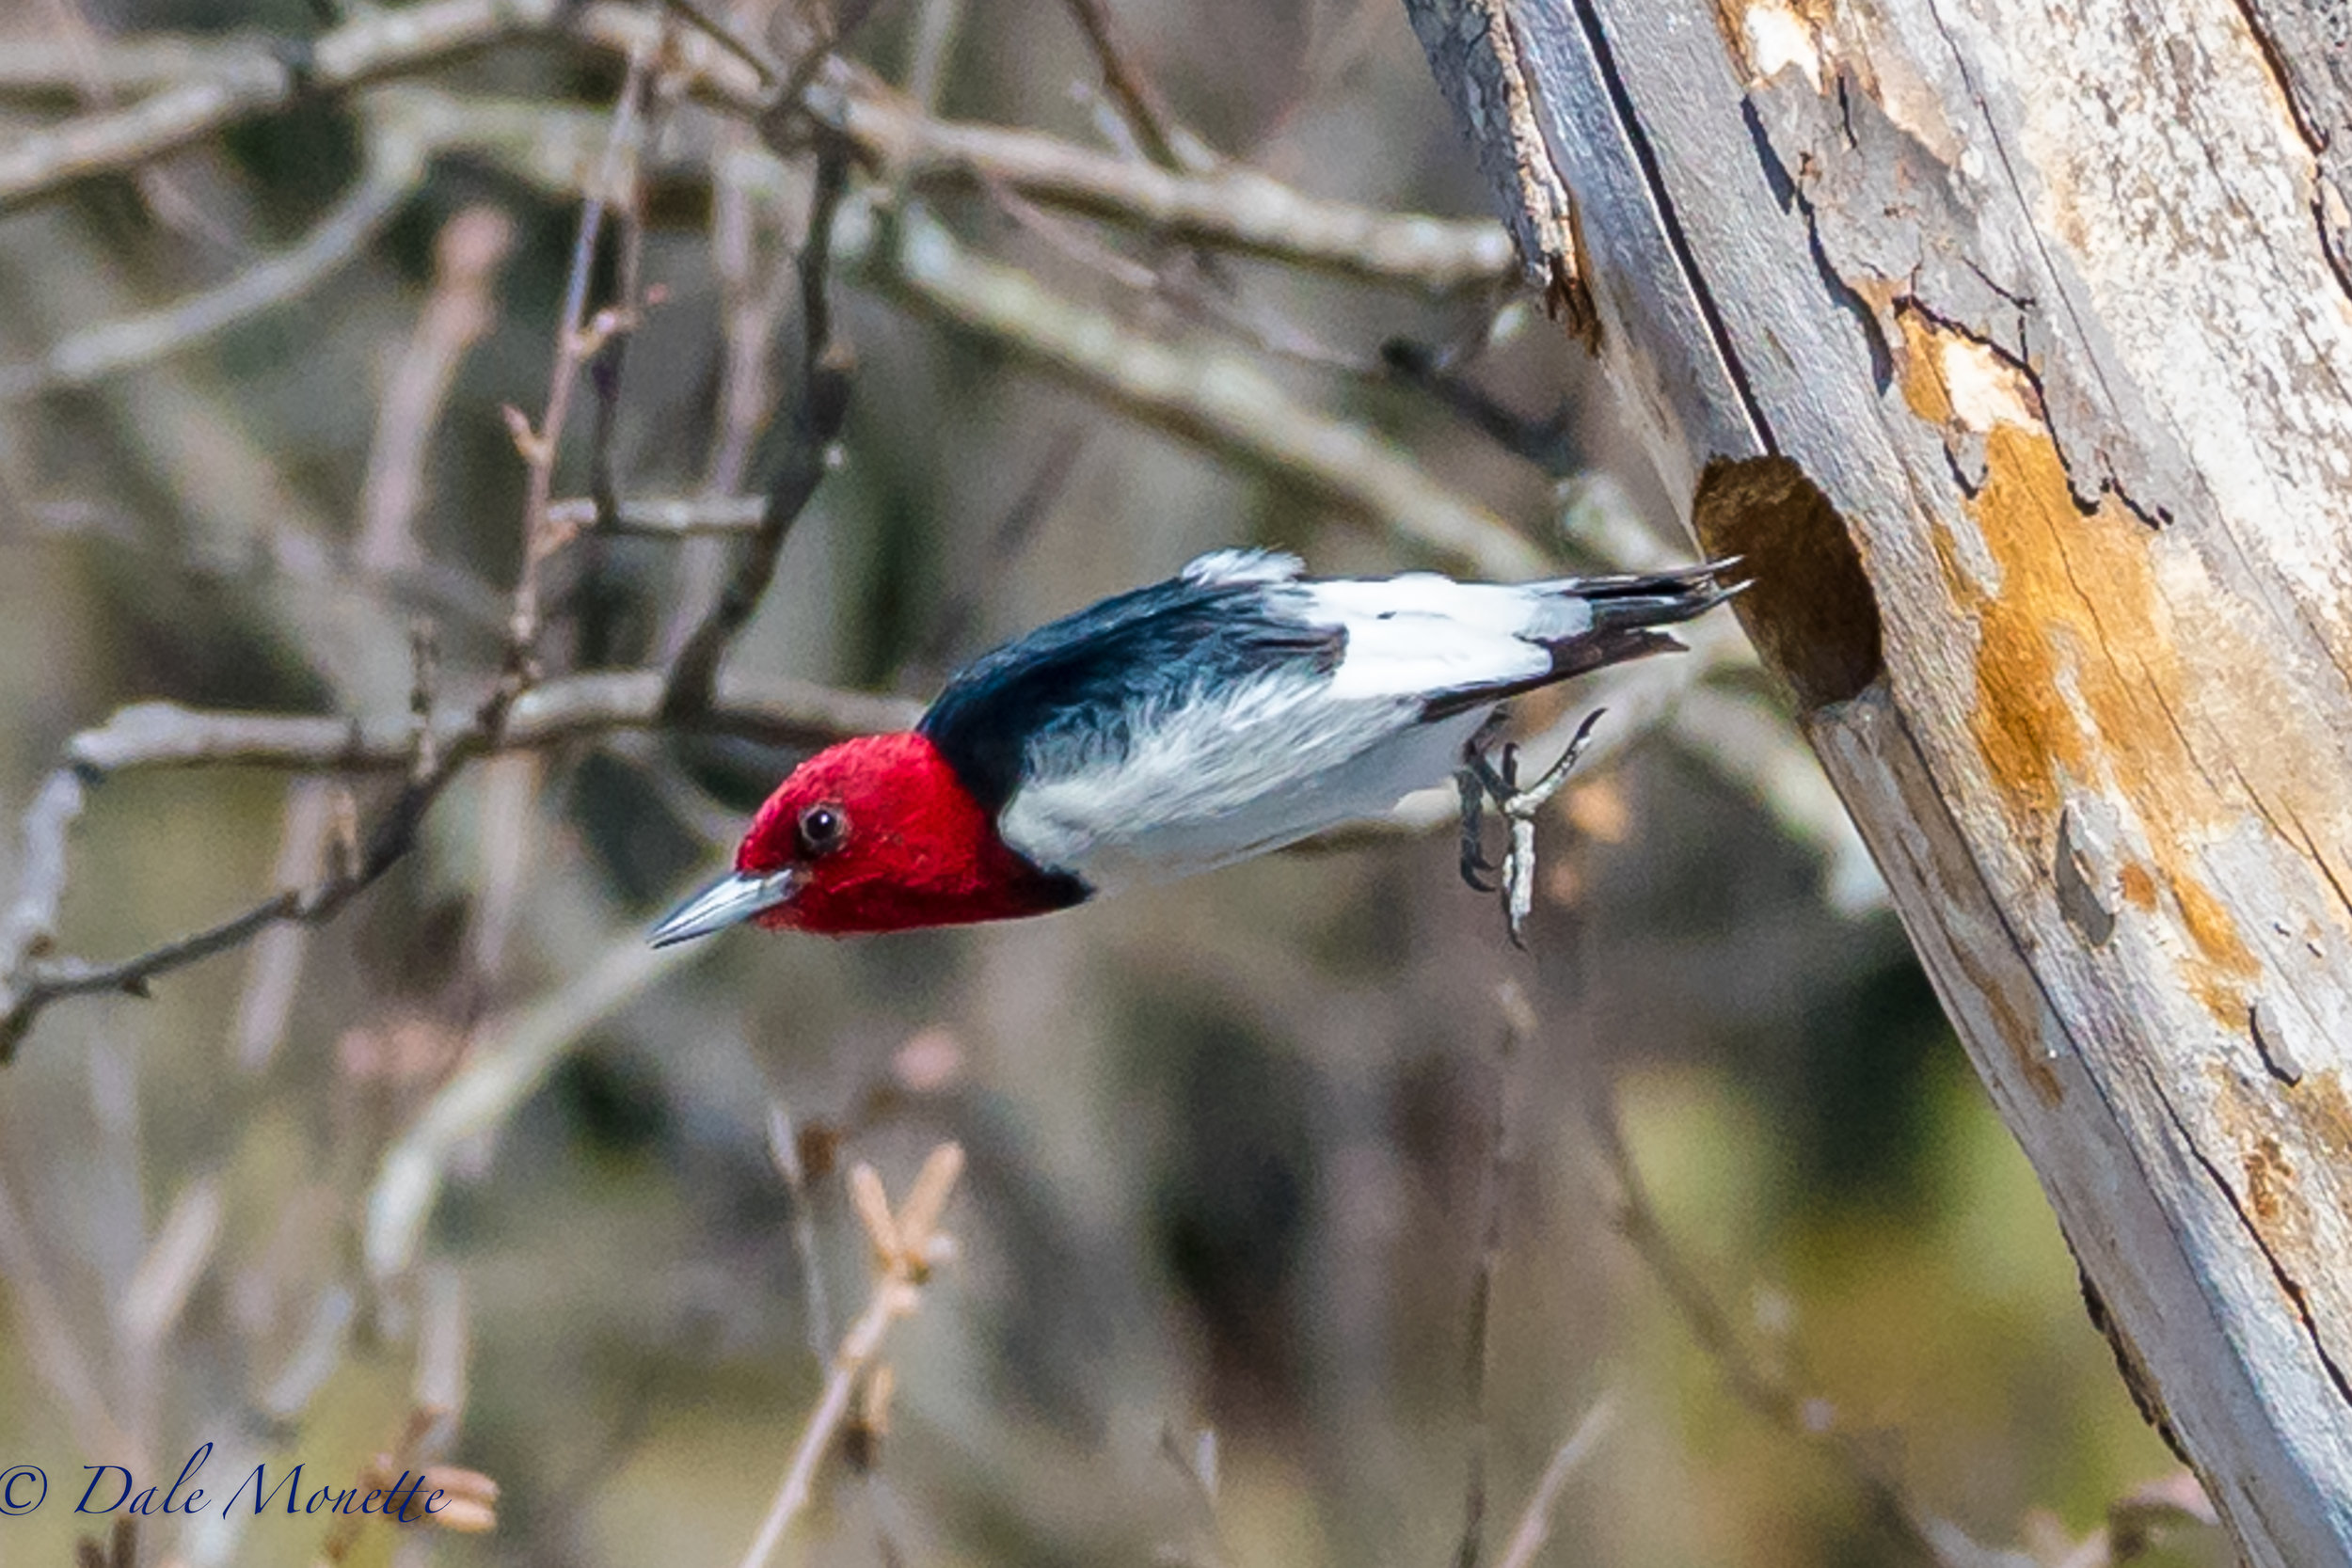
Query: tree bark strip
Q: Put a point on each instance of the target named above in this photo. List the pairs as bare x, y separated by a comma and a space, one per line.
2010, 339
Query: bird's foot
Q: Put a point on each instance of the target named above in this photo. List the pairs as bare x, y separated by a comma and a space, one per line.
1474, 781
1482, 780
1475, 866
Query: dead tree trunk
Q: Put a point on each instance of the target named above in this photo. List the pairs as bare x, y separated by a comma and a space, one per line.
2010, 341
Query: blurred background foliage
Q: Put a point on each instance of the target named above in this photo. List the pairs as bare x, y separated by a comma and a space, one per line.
1231, 1150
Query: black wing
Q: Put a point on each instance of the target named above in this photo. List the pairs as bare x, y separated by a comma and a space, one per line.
1069, 690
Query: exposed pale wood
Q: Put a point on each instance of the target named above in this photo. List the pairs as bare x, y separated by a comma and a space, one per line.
2043, 296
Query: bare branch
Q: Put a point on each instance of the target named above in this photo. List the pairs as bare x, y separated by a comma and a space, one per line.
768, 710
31, 926
615, 181
821, 409
510, 1059
662, 516
771, 69
171, 205
1535, 1527
784, 1153
753, 196
265, 1004
1765, 1391
34, 986
164, 735
236, 83
608, 362
907, 1246
1519, 1026
937, 25
167, 1271
1139, 104
199, 89
1236, 209
468, 254
394, 165
1206, 395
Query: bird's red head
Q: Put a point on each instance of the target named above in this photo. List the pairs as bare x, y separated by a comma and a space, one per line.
873, 834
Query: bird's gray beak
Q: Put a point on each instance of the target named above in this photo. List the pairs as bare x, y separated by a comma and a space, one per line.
729, 901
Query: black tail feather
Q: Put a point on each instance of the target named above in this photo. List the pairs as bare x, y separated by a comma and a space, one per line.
1655, 598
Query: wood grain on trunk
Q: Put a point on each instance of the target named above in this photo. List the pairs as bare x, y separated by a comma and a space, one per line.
2011, 341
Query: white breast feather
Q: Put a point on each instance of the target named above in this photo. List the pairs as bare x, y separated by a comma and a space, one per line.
1220, 779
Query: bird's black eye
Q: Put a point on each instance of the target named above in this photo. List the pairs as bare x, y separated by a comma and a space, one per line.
824, 829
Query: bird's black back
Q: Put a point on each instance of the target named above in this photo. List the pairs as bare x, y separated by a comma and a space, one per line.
1071, 688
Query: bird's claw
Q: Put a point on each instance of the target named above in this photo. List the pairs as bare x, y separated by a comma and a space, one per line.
1475, 866
1481, 781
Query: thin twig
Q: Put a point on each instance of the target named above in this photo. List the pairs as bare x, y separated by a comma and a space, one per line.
755, 290
784, 1153
469, 1493
196, 89
606, 371
820, 410
752, 308
609, 364
1198, 1469
1002, 543
937, 25
444, 1346
907, 1246
167, 1271
30, 929
771, 68
1766, 1393
1187, 289
827, 27
274, 972
36, 985
1534, 1526
1518, 1024
662, 516
574, 346
1140, 108
1550, 443
508, 854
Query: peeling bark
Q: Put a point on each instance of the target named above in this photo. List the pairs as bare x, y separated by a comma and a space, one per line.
1490, 91
2010, 337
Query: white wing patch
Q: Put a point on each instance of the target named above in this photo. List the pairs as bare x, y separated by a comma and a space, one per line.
1219, 567
1419, 633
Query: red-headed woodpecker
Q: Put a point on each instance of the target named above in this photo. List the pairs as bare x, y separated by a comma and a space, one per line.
1238, 707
